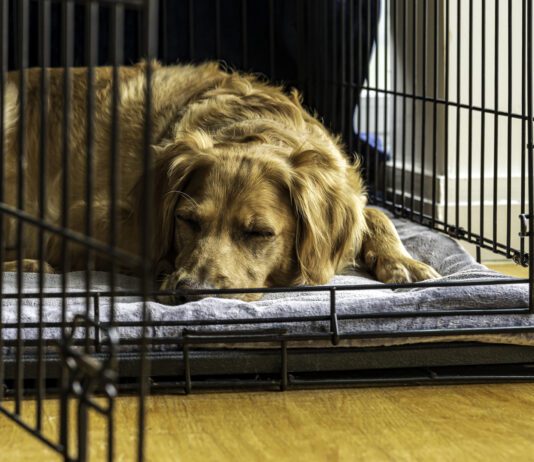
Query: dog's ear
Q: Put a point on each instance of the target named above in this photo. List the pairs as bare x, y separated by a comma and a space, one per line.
173, 166
329, 199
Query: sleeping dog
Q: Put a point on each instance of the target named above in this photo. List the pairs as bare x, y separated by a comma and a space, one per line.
250, 190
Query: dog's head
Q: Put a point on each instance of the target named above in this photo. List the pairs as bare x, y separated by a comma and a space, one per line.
253, 213
260, 196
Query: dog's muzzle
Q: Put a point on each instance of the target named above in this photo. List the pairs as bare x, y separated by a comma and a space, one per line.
184, 286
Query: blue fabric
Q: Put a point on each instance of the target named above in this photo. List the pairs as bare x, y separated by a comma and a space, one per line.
374, 144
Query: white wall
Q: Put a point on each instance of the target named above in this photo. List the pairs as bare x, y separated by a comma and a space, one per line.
453, 151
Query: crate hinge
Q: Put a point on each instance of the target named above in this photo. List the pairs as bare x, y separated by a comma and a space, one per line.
83, 376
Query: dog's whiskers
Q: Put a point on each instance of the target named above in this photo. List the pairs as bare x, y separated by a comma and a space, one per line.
183, 194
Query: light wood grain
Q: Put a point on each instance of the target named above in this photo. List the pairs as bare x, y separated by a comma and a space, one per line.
509, 268
482, 422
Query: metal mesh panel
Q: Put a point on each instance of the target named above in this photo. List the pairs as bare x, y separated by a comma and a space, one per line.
435, 97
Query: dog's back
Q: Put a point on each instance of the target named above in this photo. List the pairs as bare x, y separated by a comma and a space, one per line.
172, 88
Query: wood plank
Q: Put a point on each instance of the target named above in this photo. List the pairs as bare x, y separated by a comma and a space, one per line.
479, 422
509, 268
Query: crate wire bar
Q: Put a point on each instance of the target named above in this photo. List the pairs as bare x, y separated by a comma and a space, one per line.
363, 65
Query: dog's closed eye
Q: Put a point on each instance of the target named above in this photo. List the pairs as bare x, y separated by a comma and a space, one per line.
259, 234
193, 222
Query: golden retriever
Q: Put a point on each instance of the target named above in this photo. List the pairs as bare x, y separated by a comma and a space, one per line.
250, 190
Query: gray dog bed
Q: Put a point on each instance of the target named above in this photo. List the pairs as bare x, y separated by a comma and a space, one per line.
438, 250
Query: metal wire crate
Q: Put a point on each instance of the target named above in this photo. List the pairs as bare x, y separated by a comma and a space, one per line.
454, 158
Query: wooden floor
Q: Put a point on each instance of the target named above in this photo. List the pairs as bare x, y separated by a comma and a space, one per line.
449, 423
508, 268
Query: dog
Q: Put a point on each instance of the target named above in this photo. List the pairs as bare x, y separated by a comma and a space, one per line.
250, 189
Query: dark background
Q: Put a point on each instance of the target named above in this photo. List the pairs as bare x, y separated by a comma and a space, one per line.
302, 43
179, 40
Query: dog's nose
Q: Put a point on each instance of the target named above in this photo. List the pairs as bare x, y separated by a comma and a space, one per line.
182, 286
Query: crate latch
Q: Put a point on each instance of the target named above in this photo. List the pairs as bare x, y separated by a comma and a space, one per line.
521, 258
523, 220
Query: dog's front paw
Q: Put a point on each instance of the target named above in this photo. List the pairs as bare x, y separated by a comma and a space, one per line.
398, 270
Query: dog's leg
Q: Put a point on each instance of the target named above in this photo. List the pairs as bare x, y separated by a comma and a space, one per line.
28, 266
384, 254
126, 228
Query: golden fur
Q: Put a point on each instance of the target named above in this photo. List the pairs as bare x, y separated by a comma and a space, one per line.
250, 190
